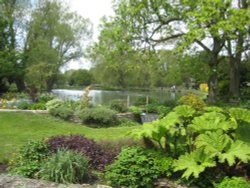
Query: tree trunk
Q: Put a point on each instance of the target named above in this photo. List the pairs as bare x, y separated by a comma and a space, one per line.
20, 84
234, 78
212, 91
213, 80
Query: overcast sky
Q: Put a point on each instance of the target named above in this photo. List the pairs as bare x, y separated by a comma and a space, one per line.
94, 10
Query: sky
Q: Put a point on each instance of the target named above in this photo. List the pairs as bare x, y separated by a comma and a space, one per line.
94, 10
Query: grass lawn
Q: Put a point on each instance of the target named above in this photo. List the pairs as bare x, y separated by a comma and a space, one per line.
18, 128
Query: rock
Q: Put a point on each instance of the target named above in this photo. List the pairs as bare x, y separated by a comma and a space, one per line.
20, 182
166, 183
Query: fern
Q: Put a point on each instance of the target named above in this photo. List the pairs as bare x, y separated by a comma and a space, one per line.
193, 163
212, 121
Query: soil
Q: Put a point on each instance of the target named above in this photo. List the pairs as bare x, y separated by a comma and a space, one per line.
3, 168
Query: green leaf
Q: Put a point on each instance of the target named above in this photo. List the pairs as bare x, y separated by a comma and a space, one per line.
238, 150
213, 143
240, 114
193, 163
184, 110
212, 121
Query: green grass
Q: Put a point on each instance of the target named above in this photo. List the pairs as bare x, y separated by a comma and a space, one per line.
16, 129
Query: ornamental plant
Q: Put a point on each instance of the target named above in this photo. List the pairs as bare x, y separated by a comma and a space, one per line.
199, 141
28, 161
137, 167
65, 166
98, 156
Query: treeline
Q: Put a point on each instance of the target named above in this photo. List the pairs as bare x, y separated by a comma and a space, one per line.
140, 28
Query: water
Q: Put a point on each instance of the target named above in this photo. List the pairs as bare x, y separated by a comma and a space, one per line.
105, 97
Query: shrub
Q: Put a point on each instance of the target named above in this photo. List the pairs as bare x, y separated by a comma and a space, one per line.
37, 106
55, 103
141, 101
98, 116
45, 97
118, 105
234, 182
28, 162
170, 103
137, 167
193, 100
62, 112
99, 158
65, 166
159, 109
136, 110
23, 105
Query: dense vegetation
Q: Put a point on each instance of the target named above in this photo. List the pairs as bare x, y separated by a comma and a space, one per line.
147, 43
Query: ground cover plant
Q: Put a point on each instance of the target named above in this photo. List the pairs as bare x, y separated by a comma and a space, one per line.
18, 128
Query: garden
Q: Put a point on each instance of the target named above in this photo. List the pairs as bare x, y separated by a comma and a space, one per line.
190, 143
172, 94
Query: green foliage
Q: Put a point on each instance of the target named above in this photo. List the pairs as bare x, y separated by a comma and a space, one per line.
37, 106
213, 121
45, 97
55, 103
118, 105
240, 114
193, 163
65, 166
199, 141
193, 100
159, 109
136, 110
23, 105
137, 167
85, 99
98, 117
233, 182
62, 112
28, 161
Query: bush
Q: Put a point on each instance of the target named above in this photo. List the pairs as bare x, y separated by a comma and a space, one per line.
65, 166
99, 158
23, 105
37, 106
137, 167
234, 182
28, 162
118, 105
55, 103
45, 97
98, 116
193, 100
159, 109
62, 112
141, 101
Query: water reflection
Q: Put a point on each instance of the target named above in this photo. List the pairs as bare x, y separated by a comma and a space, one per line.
104, 97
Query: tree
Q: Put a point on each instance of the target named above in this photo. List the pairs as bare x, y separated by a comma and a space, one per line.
55, 37
154, 22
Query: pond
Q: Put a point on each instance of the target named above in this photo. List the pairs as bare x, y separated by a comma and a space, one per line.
104, 97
